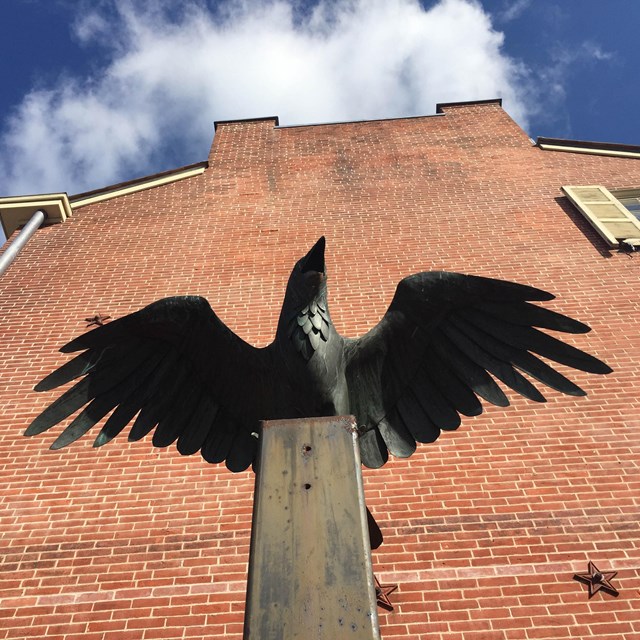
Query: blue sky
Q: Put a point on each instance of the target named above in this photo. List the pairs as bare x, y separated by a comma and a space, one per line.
95, 92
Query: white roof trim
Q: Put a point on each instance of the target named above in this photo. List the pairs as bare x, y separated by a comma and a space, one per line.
595, 152
139, 186
16, 211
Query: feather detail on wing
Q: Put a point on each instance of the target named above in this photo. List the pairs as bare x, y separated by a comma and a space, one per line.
174, 367
444, 341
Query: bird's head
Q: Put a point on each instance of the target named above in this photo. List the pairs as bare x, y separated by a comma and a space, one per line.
308, 280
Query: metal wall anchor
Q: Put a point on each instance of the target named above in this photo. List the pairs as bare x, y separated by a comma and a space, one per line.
598, 580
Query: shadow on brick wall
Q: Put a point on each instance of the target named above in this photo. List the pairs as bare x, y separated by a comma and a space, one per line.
585, 228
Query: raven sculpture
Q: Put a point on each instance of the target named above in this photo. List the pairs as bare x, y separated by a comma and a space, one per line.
176, 368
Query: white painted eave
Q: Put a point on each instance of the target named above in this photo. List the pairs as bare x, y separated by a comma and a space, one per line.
16, 211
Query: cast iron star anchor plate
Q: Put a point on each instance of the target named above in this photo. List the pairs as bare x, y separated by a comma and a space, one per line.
597, 580
382, 594
98, 320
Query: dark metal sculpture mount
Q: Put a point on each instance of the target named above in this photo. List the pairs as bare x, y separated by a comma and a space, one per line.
174, 368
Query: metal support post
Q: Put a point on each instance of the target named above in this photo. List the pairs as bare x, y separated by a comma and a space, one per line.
310, 570
21, 239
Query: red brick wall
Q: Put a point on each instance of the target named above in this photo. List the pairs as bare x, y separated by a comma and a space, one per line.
484, 529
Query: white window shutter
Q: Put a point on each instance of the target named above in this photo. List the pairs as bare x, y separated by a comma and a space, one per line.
607, 216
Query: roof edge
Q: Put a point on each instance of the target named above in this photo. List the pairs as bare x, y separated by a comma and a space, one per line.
15, 211
137, 184
468, 103
439, 111
590, 147
216, 123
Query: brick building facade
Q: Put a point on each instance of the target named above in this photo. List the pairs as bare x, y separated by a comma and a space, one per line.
484, 529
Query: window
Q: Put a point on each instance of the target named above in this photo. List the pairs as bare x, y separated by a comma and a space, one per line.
630, 199
614, 215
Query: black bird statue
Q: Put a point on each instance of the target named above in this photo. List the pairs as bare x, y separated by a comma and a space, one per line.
176, 367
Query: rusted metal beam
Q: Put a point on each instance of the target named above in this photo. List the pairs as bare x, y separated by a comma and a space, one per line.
310, 566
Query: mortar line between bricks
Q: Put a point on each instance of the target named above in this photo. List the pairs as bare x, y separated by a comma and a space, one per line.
130, 593
572, 567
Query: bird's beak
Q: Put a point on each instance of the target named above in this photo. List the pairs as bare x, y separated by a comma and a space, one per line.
314, 260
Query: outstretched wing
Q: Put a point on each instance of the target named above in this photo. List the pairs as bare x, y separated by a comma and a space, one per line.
437, 350
175, 367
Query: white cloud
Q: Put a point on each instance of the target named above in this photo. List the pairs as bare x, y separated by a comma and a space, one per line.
596, 52
171, 73
557, 77
513, 10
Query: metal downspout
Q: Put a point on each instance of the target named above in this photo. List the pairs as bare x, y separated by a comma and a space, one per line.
21, 239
